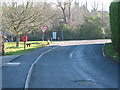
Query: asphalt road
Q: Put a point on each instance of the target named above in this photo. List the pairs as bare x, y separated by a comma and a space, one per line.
75, 65
14, 74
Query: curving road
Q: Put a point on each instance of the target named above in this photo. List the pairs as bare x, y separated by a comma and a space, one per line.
75, 64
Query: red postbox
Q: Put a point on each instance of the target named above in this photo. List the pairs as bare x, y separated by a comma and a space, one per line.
24, 38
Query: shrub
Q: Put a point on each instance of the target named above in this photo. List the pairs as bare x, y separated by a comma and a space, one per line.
115, 24
92, 28
91, 31
67, 31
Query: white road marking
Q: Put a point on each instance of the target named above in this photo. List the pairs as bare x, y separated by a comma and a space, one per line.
103, 51
31, 68
11, 64
71, 54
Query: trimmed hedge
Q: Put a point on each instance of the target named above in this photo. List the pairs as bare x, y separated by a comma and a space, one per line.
115, 24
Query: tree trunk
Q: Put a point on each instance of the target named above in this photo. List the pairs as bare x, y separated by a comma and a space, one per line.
17, 40
64, 16
0, 45
3, 47
69, 10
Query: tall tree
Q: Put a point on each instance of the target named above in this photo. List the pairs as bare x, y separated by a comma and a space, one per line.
62, 6
0, 44
70, 2
21, 18
3, 46
78, 13
2, 49
94, 6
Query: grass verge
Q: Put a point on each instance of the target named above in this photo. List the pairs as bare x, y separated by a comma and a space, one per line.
109, 51
11, 49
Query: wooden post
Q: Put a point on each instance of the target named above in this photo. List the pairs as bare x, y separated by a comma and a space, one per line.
51, 38
43, 37
17, 40
24, 45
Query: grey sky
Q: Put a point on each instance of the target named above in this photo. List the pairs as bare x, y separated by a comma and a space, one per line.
106, 3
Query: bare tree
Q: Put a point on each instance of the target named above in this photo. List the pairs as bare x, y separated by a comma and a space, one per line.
94, 6
66, 9
78, 14
70, 2
17, 18
86, 5
2, 51
63, 6
102, 15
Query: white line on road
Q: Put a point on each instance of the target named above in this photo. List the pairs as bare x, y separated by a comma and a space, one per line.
11, 64
103, 50
31, 68
71, 54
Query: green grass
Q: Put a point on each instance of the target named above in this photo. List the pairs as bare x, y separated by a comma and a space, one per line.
11, 49
109, 50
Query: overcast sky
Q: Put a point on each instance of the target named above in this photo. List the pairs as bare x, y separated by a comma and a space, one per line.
106, 3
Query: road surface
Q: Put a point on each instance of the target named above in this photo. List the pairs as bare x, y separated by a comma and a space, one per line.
75, 64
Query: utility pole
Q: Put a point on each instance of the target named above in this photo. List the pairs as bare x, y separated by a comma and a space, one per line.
62, 34
103, 18
86, 5
102, 15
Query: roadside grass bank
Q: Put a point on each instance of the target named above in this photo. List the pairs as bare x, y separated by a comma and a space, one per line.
110, 52
11, 49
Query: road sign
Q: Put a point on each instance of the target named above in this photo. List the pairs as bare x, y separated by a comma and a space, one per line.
43, 29
54, 35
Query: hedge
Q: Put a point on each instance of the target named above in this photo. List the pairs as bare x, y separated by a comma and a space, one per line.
115, 24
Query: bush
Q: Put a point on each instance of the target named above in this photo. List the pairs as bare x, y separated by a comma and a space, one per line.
91, 31
115, 24
92, 28
67, 32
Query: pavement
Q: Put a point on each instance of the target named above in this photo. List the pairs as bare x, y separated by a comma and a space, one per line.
8, 58
76, 64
